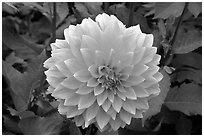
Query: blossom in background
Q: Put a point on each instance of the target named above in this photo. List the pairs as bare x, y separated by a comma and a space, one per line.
103, 72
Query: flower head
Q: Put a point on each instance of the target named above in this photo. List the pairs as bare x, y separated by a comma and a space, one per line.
103, 72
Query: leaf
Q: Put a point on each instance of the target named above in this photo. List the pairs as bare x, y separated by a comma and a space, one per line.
151, 8
22, 114
155, 103
11, 124
166, 9
22, 84
187, 42
61, 9
187, 99
67, 22
9, 7
41, 125
193, 60
195, 8
190, 74
120, 11
94, 7
22, 48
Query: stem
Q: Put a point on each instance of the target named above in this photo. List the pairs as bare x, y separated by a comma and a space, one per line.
54, 15
131, 13
170, 54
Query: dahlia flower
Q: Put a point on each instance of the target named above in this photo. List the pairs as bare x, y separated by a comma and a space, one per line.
103, 72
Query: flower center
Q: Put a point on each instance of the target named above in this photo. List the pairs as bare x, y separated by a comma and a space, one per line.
108, 78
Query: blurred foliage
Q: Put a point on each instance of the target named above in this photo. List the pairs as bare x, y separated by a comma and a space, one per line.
28, 28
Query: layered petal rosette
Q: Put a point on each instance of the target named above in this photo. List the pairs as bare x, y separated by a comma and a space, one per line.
103, 72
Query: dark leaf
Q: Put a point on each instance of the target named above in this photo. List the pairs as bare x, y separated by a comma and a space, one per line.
195, 8
11, 124
187, 99
187, 42
193, 60
23, 48
9, 7
189, 74
166, 9
41, 125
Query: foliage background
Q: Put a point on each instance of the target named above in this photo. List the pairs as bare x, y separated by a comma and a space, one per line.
28, 28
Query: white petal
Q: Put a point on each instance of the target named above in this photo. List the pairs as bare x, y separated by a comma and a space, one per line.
125, 116
99, 58
84, 90
101, 98
92, 111
89, 43
127, 59
93, 82
130, 93
62, 92
72, 100
103, 20
75, 45
138, 55
93, 69
115, 124
154, 89
151, 71
50, 89
79, 120
63, 69
53, 81
54, 72
129, 106
72, 111
155, 60
127, 70
117, 104
111, 112
59, 44
74, 65
111, 96
149, 54
121, 95
48, 63
71, 83
98, 90
121, 88
83, 75
141, 103
140, 39
86, 101
140, 91
106, 105
88, 56
139, 69
102, 118
61, 54
135, 80
148, 42
158, 76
